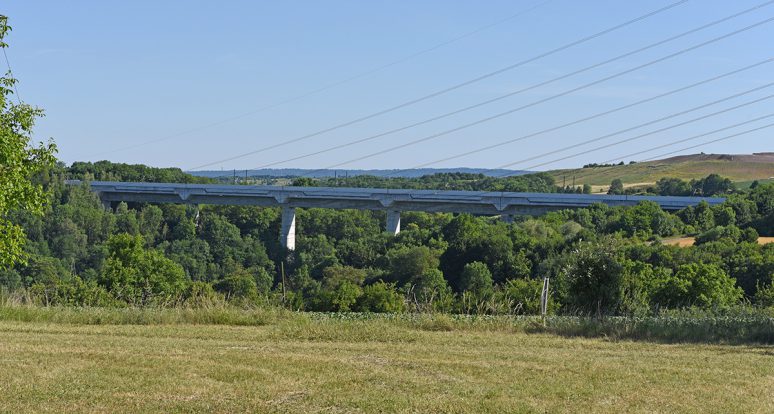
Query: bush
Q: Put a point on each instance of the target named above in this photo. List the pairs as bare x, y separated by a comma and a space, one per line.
523, 296
764, 296
380, 297
137, 276
431, 293
72, 292
477, 280
750, 235
238, 284
201, 294
696, 284
595, 278
731, 233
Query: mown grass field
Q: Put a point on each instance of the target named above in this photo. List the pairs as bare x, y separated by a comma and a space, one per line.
299, 364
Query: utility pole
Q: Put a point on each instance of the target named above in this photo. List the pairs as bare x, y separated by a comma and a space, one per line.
544, 300
284, 288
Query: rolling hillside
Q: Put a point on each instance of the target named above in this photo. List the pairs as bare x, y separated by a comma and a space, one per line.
740, 168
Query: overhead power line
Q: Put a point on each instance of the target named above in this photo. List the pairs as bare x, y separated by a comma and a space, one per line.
623, 131
448, 89
710, 142
513, 93
598, 172
661, 156
3, 45
595, 116
623, 141
680, 141
333, 84
567, 92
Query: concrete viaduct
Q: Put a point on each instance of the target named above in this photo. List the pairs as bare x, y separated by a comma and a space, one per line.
494, 203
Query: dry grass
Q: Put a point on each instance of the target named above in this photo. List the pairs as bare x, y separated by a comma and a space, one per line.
689, 241
741, 169
309, 365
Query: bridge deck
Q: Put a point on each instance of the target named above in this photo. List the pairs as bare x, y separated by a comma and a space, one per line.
475, 202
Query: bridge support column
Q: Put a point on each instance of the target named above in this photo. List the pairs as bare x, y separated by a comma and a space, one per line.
107, 205
288, 228
393, 221
507, 218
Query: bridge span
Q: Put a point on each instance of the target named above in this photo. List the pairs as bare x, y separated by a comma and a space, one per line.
392, 201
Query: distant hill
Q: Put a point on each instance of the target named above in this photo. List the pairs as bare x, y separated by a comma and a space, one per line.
296, 172
740, 168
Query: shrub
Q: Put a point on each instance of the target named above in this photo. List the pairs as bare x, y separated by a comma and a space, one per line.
380, 297
764, 296
201, 294
731, 233
523, 296
238, 284
477, 280
696, 284
595, 278
138, 276
431, 293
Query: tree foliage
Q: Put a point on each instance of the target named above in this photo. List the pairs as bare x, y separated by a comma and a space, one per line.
600, 260
20, 161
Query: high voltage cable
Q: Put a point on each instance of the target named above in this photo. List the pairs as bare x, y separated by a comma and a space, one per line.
623, 141
3, 46
567, 92
591, 117
709, 142
10, 73
622, 131
605, 169
333, 84
449, 89
510, 94
686, 139
652, 132
602, 170
680, 141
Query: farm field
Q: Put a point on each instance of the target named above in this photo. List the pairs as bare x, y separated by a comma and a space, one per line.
366, 366
742, 169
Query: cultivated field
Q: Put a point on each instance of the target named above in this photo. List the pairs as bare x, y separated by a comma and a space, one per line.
366, 366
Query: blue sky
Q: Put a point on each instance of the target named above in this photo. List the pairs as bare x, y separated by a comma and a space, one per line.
113, 76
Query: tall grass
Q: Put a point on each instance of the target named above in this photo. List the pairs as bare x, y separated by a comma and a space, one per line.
745, 325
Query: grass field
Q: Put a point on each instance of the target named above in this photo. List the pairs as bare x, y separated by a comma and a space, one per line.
376, 365
742, 169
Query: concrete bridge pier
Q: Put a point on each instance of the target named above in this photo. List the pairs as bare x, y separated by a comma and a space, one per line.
288, 228
507, 218
393, 221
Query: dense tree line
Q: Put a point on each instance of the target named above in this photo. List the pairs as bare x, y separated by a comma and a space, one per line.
108, 171
599, 259
539, 182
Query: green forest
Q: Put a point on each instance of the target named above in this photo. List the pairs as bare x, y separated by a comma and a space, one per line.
600, 260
